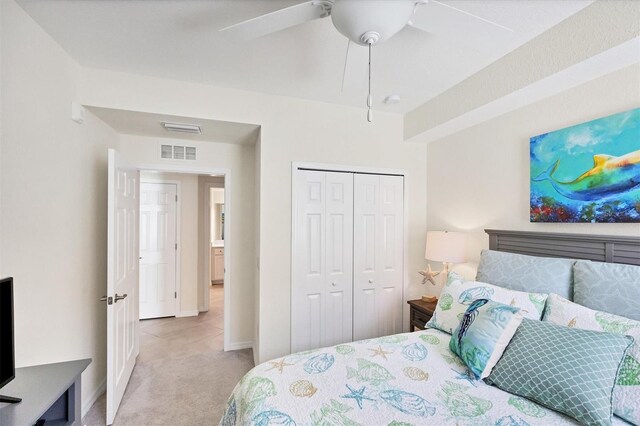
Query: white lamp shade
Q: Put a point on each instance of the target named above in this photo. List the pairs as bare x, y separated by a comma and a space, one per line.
443, 246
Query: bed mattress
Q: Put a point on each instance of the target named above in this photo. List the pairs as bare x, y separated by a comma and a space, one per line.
403, 379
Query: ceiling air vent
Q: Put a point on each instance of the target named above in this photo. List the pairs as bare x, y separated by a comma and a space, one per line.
190, 152
181, 128
166, 151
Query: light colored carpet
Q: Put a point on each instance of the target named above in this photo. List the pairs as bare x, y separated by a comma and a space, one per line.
183, 376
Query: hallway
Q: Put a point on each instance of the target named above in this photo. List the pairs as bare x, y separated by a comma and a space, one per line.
183, 376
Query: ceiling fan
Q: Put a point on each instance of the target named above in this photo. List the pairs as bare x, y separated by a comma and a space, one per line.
364, 22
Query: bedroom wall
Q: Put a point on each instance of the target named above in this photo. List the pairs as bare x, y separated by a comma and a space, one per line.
479, 178
53, 193
291, 130
189, 233
240, 245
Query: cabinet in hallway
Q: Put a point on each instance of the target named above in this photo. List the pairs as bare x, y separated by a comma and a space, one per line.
217, 265
347, 257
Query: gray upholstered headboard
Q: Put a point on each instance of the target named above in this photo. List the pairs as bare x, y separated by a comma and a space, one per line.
601, 248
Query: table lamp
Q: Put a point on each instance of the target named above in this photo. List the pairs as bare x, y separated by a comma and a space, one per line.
446, 247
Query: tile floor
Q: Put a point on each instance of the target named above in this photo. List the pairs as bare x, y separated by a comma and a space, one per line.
183, 376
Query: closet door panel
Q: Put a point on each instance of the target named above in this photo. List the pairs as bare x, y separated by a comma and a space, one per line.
366, 233
339, 259
378, 255
391, 267
307, 301
322, 285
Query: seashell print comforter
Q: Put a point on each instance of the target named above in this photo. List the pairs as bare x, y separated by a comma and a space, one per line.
403, 379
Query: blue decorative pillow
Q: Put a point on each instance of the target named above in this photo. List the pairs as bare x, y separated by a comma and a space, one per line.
569, 370
608, 287
527, 273
483, 334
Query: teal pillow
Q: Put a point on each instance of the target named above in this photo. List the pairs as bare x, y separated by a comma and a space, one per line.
569, 370
483, 334
527, 273
608, 287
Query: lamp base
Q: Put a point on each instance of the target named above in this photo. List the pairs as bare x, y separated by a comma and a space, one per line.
430, 299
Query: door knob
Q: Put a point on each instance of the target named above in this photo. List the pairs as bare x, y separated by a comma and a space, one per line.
370, 281
109, 300
124, 296
333, 284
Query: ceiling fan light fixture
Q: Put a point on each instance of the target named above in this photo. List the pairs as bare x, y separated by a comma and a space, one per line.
356, 18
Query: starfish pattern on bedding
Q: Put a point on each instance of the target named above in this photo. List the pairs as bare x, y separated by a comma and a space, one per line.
466, 375
279, 365
381, 352
358, 395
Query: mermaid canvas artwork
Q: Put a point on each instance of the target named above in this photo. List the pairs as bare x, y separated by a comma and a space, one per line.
589, 172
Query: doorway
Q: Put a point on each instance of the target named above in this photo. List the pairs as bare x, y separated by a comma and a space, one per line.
197, 243
216, 249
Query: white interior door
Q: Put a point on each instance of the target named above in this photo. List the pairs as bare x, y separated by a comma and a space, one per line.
322, 285
158, 223
122, 278
378, 255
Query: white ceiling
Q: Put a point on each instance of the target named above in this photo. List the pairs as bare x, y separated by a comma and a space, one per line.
148, 124
179, 39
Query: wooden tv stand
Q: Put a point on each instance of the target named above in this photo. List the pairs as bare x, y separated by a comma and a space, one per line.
49, 392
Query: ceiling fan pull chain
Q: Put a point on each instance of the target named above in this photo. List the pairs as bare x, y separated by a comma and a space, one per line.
369, 98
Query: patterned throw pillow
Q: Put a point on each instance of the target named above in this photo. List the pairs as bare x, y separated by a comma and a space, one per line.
607, 287
458, 294
626, 395
570, 370
483, 334
526, 273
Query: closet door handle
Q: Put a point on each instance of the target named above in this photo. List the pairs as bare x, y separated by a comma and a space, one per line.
333, 284
370, 281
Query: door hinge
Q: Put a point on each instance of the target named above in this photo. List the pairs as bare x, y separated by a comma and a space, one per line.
175, 294
176, 246
176, 198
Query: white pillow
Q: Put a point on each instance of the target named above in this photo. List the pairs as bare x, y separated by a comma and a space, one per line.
457, 295
626, 394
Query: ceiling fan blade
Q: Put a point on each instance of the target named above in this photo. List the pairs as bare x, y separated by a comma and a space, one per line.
465, 30
472, 15
344, 70
278, 20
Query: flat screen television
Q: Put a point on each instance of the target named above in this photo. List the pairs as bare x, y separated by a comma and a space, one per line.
7, 350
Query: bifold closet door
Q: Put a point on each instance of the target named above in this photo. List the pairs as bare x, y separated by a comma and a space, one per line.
378, 255
322, 284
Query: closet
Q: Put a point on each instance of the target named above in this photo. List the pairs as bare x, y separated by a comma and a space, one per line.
347, 257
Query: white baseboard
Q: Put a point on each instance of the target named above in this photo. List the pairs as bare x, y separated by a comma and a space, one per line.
192, 313
86, 405
235, 346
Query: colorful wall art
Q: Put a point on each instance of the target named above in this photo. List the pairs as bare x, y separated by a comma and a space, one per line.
589, 172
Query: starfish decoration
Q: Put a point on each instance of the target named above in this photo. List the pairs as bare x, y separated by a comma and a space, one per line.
466, 375
429, 275
380, 352
358, 395
279, 365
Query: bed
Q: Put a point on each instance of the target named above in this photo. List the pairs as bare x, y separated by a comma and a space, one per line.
410, 378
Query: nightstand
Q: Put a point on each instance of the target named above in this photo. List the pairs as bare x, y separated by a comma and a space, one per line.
421, 312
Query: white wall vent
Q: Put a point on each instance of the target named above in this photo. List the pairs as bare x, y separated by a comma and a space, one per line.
166, 151
190, 152
177, 152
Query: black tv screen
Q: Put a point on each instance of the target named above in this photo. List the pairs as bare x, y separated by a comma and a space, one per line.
7, 361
